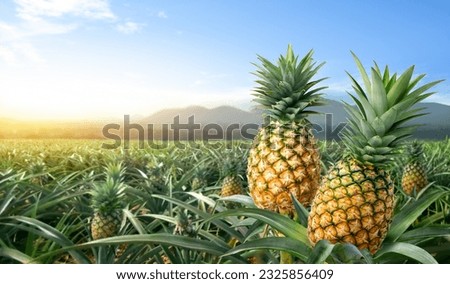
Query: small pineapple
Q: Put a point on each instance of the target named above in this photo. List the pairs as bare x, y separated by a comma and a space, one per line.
355, 201
284, 158
414, 177
107, 203
231, 185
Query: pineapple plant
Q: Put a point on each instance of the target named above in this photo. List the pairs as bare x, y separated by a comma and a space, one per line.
232, 183
200, 179
414, 177
107, 203
354, 203
156, 178
284, 158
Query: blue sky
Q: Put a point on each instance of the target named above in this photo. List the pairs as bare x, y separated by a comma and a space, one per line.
97, 58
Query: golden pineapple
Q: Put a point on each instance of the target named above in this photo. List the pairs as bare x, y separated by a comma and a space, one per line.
231, 185
414, 177
356, 198
107, 203
284, 158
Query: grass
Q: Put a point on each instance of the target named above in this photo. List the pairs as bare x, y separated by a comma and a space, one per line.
45, 212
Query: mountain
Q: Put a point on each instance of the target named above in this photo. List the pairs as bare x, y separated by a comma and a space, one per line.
435, 125
223, 115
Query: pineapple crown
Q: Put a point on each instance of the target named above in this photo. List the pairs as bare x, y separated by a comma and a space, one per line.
415, 151
107, 196
231, 167
286, 90
376, 126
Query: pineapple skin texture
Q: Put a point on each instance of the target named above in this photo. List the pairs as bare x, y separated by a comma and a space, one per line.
284, 159
105, 225
353, 205
231, 186
414, 177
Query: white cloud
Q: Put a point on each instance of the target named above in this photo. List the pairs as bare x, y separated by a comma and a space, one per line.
162, 15
129, 27
338, 87
42, 17
95, 9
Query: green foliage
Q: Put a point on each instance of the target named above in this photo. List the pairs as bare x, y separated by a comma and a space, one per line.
45, 209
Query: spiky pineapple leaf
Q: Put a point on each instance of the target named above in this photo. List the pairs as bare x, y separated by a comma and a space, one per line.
320, 252
349, 253
292, 246
166, 239
281, 223
302, 213
202, 214
422, 233
134, 221
245, 200
15, 255
410, 213
409, 250
48, 232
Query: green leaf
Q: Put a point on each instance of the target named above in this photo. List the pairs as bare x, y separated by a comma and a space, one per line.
292, 246
378, 126
424, 233
302, 213
363, 73
414, 252
389, 117
377, 96
50, 233
410, 213
165, 239
135, 222
202, 214
242, 199
399, 89
16, 255
281, 223
320, 252
349, 253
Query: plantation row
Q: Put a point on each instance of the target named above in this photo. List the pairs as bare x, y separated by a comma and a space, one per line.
174, 212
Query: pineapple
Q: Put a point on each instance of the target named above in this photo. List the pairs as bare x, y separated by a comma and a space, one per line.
107, 203
414, 174
354, 203
231, 185
284, 158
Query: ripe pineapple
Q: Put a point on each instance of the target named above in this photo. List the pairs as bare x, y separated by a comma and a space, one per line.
355, 201
107, 204
231, 185
284, 158
414, 174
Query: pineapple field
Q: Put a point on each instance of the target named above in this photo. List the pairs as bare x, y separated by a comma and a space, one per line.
71, 201
375, 196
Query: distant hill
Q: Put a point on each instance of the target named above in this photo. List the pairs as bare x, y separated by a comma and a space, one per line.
435, 125
223, 115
